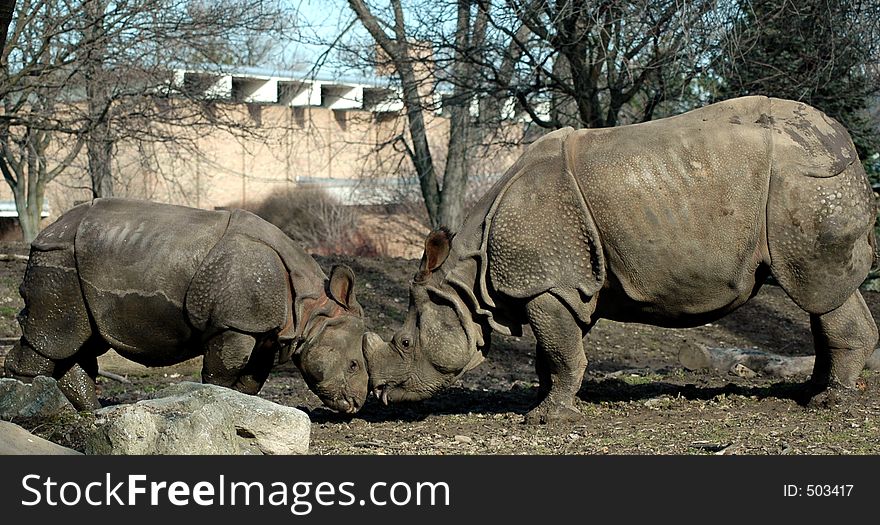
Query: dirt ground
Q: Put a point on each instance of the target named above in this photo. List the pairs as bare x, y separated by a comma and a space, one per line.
636, 398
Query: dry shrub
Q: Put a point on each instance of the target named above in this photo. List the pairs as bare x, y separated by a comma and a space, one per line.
398, 234
318, 221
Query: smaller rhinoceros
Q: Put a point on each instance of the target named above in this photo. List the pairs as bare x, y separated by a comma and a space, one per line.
162, 284
675, 222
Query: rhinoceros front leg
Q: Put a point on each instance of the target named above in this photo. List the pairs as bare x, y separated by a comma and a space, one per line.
559, 360
76, 378
226, 355
256, 372
843, 338
235, 360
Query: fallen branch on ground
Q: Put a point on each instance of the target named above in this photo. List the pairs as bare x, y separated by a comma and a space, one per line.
741, 361
115, 377
12, 257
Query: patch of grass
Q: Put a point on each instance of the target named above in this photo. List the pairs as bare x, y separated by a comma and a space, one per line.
8, 311
11, 282
67, 428
634, 380
678, 374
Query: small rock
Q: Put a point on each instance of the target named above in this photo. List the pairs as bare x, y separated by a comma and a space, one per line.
658, 402
40, 398
694, 358
463, 439
731, 449
193, 418
710, 446
15, 440
742, 371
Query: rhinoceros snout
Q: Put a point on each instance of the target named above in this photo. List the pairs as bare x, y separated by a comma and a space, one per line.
345, 405
354, 405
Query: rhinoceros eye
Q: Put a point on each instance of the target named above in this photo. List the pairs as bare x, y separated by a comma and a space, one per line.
404, 341
353, 366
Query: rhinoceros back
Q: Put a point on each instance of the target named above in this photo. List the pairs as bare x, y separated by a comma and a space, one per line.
679, 204
135, 261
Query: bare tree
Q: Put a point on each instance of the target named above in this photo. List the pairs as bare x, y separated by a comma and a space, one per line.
129, 58
92, 73
412, 61
596, 64
560, 63
398, 48
99, 142
38, 49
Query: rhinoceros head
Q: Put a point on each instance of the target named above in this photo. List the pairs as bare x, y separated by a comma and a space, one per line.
331, 356
439, 339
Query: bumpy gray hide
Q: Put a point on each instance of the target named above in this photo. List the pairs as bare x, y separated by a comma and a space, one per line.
674, 222
162, 284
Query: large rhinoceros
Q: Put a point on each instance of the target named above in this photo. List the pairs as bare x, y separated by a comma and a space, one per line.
674, 222
161, 284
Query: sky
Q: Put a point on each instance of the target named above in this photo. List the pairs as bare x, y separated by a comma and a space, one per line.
320, 21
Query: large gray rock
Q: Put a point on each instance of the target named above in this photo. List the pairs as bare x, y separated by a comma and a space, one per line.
194, 418
41, 398
15, 440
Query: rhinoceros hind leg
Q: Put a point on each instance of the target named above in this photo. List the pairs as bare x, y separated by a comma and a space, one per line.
76, 379
820, 236
226, 355
55, 320
843, 338
75, 376
559, 360
24, 363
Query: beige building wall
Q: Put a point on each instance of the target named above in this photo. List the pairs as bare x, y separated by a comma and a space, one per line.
285, 146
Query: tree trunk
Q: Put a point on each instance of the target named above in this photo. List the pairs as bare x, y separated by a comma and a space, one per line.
469, 40
100, 152
456, 173
563, 108
28, 212
6, 9
29, 221
421, 151
99, 143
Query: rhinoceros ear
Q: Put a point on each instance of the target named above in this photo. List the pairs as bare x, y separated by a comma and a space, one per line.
437, 247
342, 287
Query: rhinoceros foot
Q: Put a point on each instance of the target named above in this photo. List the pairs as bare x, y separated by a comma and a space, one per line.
835, 398
552, 412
